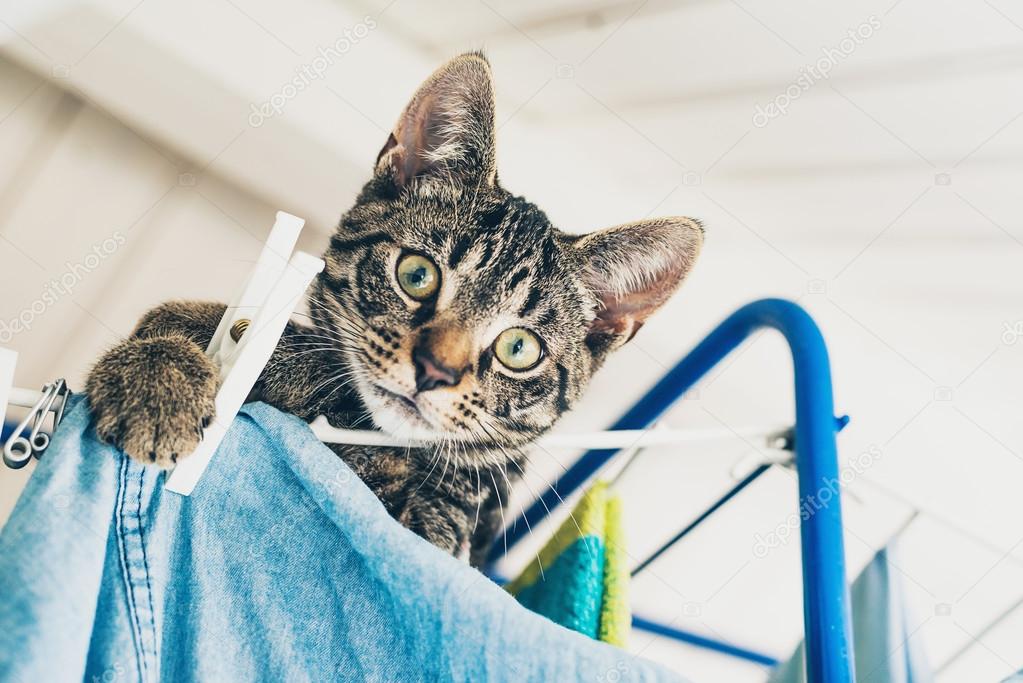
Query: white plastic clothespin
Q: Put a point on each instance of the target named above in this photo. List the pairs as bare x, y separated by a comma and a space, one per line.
8, 361
260, 312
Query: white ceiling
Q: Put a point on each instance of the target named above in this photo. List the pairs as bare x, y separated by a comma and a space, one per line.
885, 200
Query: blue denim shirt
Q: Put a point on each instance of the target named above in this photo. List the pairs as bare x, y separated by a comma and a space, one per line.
281, 566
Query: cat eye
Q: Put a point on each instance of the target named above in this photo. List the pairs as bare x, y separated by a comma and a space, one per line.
518, 349
418, 276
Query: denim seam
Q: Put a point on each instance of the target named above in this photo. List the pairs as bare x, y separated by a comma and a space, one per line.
145, 560
136, 630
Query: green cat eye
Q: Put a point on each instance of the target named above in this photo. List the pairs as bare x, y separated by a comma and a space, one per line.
518, 349
417, 276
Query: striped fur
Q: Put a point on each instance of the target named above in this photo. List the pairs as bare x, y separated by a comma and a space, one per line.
501, 263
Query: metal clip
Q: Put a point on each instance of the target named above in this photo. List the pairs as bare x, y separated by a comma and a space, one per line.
19, 450
65, 396
778, 450
40, 440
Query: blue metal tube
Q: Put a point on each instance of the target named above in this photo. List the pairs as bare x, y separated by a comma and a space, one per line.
734, 491
825, 595
704, 642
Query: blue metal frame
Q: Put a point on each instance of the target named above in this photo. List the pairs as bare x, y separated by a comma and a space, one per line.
701, 518
704, 642
825, 593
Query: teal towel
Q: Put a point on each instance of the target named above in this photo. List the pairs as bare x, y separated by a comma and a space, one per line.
580, 578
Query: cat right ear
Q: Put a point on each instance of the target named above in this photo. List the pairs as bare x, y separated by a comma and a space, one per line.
447, 128
632, 270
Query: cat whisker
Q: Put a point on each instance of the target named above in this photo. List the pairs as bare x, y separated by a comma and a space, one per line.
434, 459
315, 321
341, 382
335, 317
479, 498
364, 417
479, 486
324, 307
536, 446
571, 514
340, 334
312, 341
500, 507
340, 376
445, 445
522, 513
550, 485
322, 349
344, 324
346, 328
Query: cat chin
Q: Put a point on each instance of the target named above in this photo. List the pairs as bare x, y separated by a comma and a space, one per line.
402, 422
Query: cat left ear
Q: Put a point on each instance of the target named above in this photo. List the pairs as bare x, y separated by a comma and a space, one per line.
447, 128
633, 269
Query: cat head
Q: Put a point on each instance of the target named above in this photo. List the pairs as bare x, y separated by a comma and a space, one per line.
464, 315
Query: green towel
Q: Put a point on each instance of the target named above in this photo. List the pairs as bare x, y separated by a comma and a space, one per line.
580, 579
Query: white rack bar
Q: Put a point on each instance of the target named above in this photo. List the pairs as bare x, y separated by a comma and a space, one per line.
623, 438
8, 362
26, 398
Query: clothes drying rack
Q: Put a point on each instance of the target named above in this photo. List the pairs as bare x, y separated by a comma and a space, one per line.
826, 616
825, 594
278, 281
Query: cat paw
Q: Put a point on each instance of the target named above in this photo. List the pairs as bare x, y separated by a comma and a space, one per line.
152, 398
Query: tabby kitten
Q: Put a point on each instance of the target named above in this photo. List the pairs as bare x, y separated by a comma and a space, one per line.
450, 311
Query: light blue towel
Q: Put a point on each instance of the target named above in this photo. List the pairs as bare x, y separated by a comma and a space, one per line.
884, 650
282, 565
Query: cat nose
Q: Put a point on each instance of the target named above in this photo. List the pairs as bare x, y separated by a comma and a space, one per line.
430, 373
